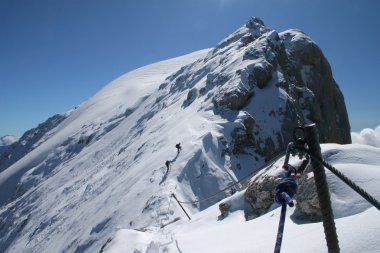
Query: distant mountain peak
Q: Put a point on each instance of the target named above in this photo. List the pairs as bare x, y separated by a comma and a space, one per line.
7, 140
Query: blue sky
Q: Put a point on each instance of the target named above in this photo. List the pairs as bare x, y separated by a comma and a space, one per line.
55, 54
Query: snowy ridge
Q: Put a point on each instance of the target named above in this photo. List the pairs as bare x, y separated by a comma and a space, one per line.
97, 180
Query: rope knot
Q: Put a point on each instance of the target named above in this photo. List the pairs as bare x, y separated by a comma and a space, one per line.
285, 191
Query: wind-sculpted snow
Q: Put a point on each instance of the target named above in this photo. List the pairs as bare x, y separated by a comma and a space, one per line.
92, 169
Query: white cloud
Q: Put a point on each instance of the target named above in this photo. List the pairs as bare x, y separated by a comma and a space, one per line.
367, 136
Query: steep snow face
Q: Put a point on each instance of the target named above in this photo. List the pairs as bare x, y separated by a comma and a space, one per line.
103, 167
77, 185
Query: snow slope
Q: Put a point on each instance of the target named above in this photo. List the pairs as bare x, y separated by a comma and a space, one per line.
356, 221
78, 186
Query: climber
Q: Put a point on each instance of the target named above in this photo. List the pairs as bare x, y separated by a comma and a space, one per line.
167, 163
179, 148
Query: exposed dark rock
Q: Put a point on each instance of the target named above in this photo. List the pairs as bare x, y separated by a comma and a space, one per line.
312, 71
261, 191
292, 62
263, 74
307, 200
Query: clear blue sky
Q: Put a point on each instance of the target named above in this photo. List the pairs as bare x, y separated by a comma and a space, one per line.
55, 54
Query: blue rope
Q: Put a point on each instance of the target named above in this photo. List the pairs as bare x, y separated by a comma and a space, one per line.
285, 192
280, 231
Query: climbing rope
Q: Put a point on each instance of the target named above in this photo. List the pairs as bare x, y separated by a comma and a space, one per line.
301, 149
284, 196
285, 192
280, 231
346, 180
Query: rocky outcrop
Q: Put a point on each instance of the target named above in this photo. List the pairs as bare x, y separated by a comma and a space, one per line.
264, 84
311, 70
282, 81
307, 207
261, 192
312, 96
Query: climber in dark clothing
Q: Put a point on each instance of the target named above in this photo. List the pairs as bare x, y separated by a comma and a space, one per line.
167, 163
179, 148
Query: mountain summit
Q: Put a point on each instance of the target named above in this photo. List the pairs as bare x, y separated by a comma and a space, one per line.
101, 166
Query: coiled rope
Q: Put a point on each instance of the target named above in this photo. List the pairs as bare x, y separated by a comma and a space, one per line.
285, 192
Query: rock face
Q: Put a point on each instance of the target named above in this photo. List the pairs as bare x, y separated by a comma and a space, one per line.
260, 194
275, 81
307, 200
312, 71
296, 66
264, 84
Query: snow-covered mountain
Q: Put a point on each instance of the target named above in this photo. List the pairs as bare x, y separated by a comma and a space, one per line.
29, 140
80, 184
7, 140
90, 177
